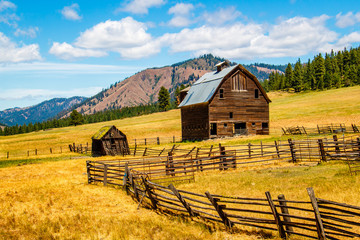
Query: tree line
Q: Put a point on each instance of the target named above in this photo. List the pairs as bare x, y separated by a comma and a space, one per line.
75, 118
335, 70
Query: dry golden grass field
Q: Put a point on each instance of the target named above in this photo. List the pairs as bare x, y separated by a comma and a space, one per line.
47, 196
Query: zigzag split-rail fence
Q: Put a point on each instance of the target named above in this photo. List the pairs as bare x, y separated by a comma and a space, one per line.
146, 179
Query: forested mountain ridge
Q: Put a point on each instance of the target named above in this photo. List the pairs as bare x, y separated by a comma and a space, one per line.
143, 87
38, 113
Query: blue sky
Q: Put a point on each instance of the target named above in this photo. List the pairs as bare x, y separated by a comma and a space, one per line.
66, 48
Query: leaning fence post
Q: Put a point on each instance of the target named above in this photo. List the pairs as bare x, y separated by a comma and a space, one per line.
278, 222
219, 209
285, 210
292, 150
105, 174
150, 194
319, 224
125, 179
277, 149
182, 200
322, 150
144, 154
88, 168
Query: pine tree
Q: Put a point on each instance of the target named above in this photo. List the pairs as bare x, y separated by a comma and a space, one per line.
164, 99
298, 77
76, 118
319, 68
288, 76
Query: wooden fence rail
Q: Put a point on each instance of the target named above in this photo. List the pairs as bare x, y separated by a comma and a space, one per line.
314, 218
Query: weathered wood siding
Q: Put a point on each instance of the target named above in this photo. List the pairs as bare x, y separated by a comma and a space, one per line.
244, 107
195, 122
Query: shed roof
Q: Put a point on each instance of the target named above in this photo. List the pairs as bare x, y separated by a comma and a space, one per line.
204, 88
101, 133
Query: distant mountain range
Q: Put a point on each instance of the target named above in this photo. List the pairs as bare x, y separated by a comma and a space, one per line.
141, 88
38, 113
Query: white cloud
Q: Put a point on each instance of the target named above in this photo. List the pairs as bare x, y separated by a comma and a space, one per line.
71, 12
347, 20
127, 37
181, 12
30, 32
222, 16
68, 52
293, 37
114, 35
6, 5
11, 53
141, 6
345, 41
181, 9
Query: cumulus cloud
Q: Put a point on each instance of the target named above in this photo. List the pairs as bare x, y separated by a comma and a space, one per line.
345, 41
6, 5
221, 16
181, 12
68, 52
292, 37
141, 6
127, 37
71, 12
11, 53
30, 32
347, 20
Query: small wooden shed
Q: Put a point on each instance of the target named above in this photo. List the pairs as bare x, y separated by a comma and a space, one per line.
109, 141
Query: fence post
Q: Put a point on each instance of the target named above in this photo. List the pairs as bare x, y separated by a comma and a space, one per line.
145, 141
262, 150
173, 139
60, 149
28, 152
319, 224
285, 210
358, 144
158, 140
74, 147
219, 209
88, 166
8, 155
223, 165
145, 152
277, 149
170, 165
322, 150
133, 185
279, 224
36, 152
337, 149
292, 150
249, 146
182, 200
50, 150
135, 148
126, 175
150, 194
105, 174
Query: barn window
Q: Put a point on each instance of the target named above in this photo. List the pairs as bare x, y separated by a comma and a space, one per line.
265, 125
231, 115
256, 93
225, 124
253, 124
221, 93
238, 82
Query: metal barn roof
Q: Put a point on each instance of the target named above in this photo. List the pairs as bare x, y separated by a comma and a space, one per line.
204, 88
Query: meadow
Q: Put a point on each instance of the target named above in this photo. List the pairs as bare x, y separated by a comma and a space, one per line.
47, 196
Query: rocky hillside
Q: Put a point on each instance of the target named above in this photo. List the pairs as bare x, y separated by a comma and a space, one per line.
38, 113
143, 87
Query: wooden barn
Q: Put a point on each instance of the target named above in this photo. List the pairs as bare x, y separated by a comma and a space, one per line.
226, 102
109, 141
